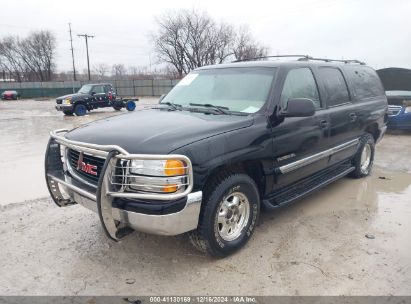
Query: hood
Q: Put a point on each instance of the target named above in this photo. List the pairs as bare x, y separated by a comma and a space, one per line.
73, 96
155, 131
395, 79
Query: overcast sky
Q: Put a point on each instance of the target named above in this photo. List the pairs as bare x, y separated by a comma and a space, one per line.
375, 31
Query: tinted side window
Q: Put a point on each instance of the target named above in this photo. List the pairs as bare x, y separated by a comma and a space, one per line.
335, 86
365, 81
300, 83
98, 89
107, 89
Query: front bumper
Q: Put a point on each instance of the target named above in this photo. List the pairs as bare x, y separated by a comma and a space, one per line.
64, 107
66, 190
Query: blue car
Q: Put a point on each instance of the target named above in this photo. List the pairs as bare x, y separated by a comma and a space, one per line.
397, 84
399, 109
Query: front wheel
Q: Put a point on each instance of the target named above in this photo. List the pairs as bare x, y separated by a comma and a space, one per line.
364, 158
229, 215
80, 110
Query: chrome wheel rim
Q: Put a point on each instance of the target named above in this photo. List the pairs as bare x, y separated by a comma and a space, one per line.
365, 157
232, 216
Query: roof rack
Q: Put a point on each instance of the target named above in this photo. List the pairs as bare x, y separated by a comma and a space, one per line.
303, 58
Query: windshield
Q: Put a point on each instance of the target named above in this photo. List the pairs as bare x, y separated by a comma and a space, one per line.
85, 89
237, 89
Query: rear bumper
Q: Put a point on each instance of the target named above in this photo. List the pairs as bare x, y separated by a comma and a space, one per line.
8, 97
66, 190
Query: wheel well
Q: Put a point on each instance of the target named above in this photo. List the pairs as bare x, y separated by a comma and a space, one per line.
254, 169
84, 103
373, 130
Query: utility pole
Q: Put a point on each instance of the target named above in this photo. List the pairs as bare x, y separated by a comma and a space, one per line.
72, 53
88, 61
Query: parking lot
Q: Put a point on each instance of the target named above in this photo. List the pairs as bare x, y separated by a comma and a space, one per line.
351, 238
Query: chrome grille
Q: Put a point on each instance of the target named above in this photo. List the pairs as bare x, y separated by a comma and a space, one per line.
118, 176
73, 158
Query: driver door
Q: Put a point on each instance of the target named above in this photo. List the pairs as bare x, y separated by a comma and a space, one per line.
99, 96
298, 141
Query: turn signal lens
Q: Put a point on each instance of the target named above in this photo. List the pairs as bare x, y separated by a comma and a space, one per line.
170, 188
174, 167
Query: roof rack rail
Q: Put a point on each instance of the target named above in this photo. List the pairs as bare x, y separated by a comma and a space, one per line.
304, 58
272, 56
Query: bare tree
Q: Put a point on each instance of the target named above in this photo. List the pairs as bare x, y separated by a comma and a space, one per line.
245, 47
37, 52
188, 39
170, 41
101, 70
118, 70
10, 60
31, 58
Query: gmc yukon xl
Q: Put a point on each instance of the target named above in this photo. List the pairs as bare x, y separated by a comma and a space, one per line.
224, 143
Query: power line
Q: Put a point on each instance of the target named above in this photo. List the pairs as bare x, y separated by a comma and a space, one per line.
72, 53
86, 36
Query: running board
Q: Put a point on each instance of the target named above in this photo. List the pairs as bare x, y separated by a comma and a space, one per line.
306, 186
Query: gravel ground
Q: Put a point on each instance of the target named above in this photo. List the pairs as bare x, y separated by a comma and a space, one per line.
351, 238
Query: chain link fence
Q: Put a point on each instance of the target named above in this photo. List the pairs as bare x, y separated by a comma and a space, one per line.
124, 88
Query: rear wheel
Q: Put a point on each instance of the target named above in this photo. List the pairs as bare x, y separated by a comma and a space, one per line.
80, 110
118, 105
228, 216
364, 158
130, 105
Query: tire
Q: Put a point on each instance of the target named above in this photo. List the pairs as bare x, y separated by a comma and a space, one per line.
364, 158
130, 105
68, 112
118, 105
213, 234
80, 110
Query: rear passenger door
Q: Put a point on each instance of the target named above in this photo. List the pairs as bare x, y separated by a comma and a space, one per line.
345, 120
297, 141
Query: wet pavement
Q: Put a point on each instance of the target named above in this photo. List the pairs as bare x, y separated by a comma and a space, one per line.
351, 238
24, 129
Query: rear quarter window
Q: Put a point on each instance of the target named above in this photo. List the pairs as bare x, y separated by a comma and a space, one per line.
365, 81
335, 86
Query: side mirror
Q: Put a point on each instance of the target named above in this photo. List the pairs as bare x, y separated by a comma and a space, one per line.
161, 97
299, 107
93, 93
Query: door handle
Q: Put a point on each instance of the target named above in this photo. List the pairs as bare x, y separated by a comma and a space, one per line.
324, 124
353, 117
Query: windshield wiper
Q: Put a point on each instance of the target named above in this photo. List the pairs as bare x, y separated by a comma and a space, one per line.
172, 105
220, 109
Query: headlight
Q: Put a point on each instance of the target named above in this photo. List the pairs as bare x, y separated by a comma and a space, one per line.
407, 110
169, 167
67, 101
161, 176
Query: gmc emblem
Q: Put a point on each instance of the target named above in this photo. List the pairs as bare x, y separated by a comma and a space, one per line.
88, 168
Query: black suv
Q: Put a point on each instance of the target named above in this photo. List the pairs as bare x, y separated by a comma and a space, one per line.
92, 96
226, 141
